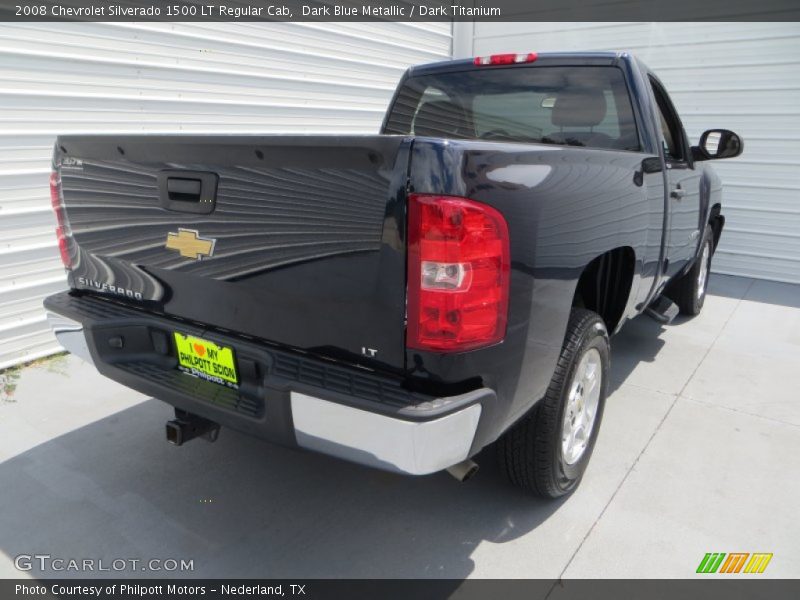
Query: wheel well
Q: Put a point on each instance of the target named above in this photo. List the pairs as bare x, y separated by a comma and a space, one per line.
605, 285
717, 221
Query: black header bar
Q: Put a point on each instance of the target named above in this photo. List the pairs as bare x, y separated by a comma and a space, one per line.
399, 10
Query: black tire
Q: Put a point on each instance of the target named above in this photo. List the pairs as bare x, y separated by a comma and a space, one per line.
531, 452
687, 291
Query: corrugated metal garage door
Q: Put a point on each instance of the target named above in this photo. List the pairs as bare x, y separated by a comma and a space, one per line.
169, 78
742, 76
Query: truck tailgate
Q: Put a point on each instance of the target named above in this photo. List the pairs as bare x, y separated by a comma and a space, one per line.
298, 240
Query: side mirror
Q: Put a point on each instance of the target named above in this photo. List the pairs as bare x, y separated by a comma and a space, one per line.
718, 143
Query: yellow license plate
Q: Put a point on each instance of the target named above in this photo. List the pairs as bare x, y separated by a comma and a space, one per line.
206, 359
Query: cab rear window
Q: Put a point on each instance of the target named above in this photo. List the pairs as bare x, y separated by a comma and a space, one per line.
573, 106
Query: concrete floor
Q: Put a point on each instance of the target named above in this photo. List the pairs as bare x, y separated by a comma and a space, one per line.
699, 451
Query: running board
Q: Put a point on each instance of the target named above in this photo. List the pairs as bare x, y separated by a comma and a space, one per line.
663, 310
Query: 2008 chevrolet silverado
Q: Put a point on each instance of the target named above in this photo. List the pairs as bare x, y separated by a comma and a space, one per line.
400, 300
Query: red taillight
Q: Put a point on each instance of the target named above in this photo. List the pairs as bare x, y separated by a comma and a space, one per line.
55, 191
62, 228
458, 274
505, 59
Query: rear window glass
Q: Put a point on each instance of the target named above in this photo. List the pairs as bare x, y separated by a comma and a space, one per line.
574, 106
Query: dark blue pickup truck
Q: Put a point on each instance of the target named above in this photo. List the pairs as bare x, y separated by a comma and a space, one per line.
400, 300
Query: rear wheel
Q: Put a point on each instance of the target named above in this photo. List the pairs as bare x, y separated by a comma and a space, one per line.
689, 291
548, 450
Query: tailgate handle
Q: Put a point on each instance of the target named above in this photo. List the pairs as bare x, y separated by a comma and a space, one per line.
188, 191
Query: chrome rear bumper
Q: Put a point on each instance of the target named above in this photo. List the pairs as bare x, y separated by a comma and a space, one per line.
413, 447
416, 440
70, 335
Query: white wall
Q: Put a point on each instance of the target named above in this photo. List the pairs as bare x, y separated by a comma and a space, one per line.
741, 76
170, 78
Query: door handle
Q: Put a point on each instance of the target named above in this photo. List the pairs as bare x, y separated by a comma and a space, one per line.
677, 193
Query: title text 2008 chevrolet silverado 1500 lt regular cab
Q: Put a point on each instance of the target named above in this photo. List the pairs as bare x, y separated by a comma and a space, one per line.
399, 300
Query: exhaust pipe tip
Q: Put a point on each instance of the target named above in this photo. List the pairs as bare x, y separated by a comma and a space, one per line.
464, 470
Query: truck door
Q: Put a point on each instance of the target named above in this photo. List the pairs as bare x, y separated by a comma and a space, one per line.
683, 186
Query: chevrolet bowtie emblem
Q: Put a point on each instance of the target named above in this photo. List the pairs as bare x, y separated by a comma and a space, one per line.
189, 243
